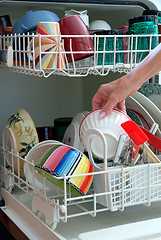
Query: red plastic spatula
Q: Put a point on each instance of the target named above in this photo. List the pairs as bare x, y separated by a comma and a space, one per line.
139, 138
153, 140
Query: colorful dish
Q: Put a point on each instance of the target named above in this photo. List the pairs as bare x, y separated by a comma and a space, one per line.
32, 157
65, 160
51, 56
19, 136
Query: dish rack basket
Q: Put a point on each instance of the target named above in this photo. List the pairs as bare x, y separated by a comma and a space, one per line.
18, 53
124, 187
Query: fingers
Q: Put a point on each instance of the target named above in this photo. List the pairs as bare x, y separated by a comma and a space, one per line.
122, 106
108, 107
96, 101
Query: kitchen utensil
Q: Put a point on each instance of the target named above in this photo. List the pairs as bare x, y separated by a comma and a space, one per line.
142, 25
83, 14
28, 22
153, 140
6, 56
106, 43
74, 25
139, 138
19, 133
99, 25
60, 126
51, 44
150, 107
32, 176
109, 126
45, 133
71, 136
138, 103
61, 160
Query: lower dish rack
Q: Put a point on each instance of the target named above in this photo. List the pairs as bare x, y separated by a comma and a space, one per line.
123, 187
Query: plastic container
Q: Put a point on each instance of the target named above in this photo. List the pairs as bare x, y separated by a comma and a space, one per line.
108, 44
143, 25
156, 13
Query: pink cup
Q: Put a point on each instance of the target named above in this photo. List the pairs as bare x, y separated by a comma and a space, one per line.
74, 25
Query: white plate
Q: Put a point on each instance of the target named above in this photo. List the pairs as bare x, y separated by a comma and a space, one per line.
71, 136
111, 128
153, 92
132, 103
151, 108
32, 176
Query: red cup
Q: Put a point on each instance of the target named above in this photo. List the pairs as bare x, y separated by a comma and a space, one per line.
74, 25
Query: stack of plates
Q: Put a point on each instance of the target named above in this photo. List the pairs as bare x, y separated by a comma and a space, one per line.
148, 113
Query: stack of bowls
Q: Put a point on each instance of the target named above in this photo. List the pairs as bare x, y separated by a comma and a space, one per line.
59, 160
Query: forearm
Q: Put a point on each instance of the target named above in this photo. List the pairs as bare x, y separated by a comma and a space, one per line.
150, 66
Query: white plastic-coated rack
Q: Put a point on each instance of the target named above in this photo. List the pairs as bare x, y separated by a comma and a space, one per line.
122, 187
21, 54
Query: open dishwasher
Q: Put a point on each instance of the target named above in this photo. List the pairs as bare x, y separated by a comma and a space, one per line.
127, 204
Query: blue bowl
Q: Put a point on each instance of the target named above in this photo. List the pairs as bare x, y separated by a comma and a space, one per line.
28, 23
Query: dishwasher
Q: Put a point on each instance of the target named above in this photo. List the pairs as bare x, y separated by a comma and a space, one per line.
126, 202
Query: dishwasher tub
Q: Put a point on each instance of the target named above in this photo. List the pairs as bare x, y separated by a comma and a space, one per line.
128, 191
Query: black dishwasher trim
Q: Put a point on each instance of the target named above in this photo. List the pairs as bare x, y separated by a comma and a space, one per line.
121, 3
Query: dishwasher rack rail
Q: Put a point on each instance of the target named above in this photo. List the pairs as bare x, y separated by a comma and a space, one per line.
124, 187
27, 54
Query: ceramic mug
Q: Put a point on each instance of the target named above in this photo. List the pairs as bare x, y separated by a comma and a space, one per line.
47, 49
74, 25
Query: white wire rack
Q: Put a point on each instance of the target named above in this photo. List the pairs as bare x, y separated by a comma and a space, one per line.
124, 187
109, 54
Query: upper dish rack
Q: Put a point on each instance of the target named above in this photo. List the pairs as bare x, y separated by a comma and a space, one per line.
118, 53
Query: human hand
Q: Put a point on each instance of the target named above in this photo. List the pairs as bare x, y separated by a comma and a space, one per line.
112, 95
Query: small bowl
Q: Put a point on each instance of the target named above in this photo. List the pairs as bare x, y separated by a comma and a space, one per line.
111, 128
28, 22
99, 25
60, 160
32, 157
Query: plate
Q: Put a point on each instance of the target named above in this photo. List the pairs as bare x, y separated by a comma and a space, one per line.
132, 103
151, 108
32, 157
19, 136
111, 128
71, 136
153, 92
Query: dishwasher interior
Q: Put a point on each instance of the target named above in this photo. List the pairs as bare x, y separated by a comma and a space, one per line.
120, 197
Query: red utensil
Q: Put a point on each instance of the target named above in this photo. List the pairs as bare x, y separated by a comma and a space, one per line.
139, 138
153, 140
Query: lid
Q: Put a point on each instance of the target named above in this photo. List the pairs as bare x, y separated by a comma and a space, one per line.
62, 121
144, 18
152, 12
